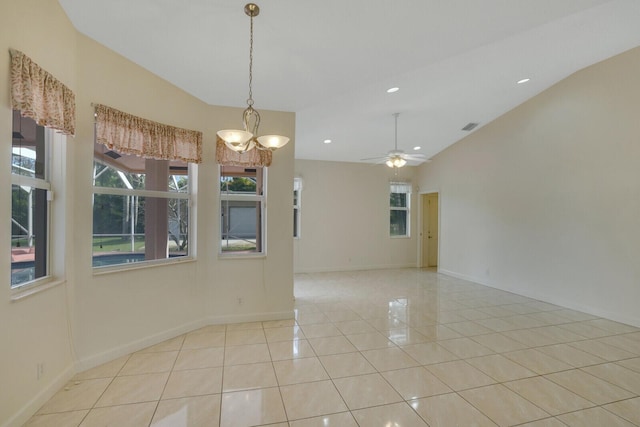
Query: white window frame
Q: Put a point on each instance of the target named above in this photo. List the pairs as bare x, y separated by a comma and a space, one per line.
262, 198
156, 194
42, 184
401, 188
297, 206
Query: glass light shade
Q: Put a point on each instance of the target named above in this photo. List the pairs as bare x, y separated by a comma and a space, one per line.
235, 137
396, 162
242, 148
272, 142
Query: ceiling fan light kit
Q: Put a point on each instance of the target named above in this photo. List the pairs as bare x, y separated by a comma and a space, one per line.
244, 140
397, 158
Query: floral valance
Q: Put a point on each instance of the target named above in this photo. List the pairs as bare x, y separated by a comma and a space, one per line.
253, 158
129, 134
40, 96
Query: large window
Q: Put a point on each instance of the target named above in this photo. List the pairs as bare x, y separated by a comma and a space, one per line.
399, 204
30, 200
297, 190
242, 210
141, 208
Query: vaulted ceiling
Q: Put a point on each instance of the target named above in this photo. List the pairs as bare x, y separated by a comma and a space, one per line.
332, 61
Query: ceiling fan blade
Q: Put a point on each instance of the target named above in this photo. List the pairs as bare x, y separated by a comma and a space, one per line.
373, 158
419, 160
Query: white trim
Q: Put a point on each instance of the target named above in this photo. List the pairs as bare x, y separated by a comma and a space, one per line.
563, 303
109, 355
28, 181
36, 286
356, 268
237, 197
31, 407
230, 319
142, 193
118, 268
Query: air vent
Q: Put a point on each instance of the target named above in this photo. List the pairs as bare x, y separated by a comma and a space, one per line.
470, 126
112, 154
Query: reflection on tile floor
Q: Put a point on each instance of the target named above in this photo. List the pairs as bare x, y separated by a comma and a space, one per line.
374, 348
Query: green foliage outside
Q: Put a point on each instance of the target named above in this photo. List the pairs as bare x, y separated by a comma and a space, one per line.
238, 184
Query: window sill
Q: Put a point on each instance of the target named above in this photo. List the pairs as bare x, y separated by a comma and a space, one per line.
25, 291
100, 271
240, 255
399, 237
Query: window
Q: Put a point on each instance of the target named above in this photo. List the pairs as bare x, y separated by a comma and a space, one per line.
30, 200
242, 210
399, 204
141, 208
297, 190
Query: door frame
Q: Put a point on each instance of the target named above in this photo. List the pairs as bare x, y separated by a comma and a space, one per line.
422, 217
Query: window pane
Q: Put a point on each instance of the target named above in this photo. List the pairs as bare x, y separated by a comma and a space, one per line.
240, 223
28, 155
241, 220
398, 223
117, 170
398, 200
130, 229
28, 234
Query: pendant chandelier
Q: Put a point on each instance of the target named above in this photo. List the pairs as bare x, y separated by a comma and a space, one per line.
247, 139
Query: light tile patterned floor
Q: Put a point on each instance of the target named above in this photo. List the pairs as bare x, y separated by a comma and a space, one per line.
374, 348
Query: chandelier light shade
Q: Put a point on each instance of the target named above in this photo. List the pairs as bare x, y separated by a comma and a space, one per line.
244, 140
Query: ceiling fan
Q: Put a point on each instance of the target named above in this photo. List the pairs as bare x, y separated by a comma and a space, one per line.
397, 158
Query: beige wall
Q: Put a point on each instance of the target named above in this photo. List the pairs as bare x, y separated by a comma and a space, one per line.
345, 218
545, 200
92, 318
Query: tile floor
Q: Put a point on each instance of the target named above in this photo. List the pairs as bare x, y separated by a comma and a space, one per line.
375, 348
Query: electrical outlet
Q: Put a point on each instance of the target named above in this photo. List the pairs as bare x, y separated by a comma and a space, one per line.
39, 370
240, 301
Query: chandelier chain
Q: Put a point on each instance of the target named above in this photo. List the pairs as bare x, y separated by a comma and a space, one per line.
250, 100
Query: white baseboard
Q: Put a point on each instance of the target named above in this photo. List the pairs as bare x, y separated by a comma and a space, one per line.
107, 356
254, 317
28, 410
114, 353
354, 268
551, 299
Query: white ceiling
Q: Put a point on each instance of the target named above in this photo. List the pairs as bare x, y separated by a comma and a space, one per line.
331, 61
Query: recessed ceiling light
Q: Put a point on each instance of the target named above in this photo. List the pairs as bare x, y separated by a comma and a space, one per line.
523, 81
417, 148
327, 141
393, 89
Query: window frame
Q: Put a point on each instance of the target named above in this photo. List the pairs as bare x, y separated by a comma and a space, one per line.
258, 198
44, 183
406, 189
168, 195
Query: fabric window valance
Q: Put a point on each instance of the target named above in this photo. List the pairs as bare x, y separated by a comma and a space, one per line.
129, 134
40, 96
253, 158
